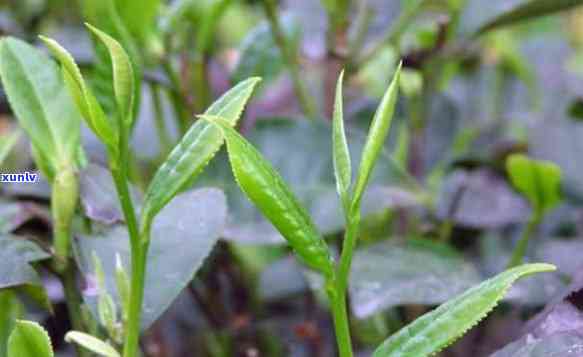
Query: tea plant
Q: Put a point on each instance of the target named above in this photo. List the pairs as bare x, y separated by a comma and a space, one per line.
267, 190
398, 232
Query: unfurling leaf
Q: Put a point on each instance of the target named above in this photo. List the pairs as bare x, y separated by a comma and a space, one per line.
377, 133
85, 100
267, 190
194, 151
341, 154
437, 329
91, 343
123, 76
29, 339
539, 181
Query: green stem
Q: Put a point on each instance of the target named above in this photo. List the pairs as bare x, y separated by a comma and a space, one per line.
337, 292
340, 317
138, 263
119, 171
304, 98
62, 240
520, 250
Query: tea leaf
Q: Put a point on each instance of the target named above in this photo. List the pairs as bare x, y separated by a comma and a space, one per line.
528, 10
104, 15
308, 170
41, 103
29, 339
342, 166
16, 256
11, 309
388, 274
539, 181
267, 190
197, 147
433, 331
85, 100
91, 343
378, 131
123, 76
183, 235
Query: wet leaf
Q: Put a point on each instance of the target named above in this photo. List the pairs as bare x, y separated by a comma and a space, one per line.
434, 330
388, 274
183, 235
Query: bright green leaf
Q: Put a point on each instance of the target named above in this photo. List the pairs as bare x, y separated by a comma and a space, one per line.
104, 15
91, 343
197, 147
378, 131
29, 339
41, 102
85, 100
11, 310
341, 154
268, 191
528, 10
123, 75
539, 181
438, 328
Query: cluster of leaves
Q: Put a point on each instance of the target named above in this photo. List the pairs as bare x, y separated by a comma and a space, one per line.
138, 237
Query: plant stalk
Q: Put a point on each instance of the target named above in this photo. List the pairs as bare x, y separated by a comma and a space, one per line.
340, 285
119, 170
304, 98
520, 250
